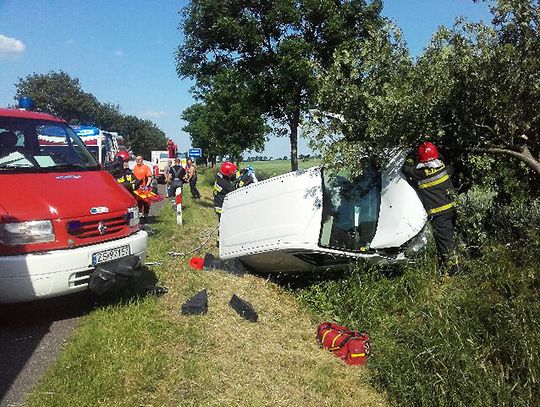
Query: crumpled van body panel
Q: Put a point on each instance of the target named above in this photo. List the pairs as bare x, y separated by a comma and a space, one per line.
284, 224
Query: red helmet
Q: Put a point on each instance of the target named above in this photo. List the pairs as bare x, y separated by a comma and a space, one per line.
123, 154
228, 169
427, 152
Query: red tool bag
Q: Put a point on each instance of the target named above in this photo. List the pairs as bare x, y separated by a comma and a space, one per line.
350, 346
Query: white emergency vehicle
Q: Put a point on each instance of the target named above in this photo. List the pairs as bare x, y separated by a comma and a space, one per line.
102, 144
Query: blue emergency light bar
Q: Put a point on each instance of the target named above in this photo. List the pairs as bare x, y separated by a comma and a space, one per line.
82, 131
26, 103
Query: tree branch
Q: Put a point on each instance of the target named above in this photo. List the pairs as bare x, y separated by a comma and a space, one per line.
523, 155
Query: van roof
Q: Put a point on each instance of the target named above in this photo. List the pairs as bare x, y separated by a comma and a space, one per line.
28, 114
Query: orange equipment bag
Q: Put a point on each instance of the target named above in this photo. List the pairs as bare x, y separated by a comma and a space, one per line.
145, 194
351, 346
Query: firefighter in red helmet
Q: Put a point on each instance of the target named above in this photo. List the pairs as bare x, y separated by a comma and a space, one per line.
122, 173
431, 179
225, 183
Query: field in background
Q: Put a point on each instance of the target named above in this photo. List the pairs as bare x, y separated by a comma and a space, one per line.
268, 169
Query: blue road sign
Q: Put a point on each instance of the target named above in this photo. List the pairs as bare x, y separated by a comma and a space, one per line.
195, 152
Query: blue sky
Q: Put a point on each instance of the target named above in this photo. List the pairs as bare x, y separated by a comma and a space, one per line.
122, 51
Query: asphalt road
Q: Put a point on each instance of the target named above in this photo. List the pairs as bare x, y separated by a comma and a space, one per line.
32, 336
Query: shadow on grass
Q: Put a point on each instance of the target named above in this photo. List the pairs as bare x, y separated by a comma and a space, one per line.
24, 327
297, 281
203, 203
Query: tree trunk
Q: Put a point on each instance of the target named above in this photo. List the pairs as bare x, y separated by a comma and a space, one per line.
293, 124
294, 148
524, 155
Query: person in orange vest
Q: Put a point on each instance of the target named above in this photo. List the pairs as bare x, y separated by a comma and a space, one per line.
431, 180
144, 174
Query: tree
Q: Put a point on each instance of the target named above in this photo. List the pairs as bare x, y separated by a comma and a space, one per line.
275, 43
225, 121
475, 89
364, 100
200, 132
487, 80
61, 95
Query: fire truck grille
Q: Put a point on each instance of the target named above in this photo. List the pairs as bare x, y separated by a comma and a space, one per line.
96, 228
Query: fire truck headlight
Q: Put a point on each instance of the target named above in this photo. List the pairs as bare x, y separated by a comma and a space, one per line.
133, 216
35, 231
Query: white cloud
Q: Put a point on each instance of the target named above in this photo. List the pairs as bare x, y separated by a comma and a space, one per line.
119, 53
11, 45
151, 114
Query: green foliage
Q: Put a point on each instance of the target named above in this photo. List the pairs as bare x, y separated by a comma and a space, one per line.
475, 88
369, 86
59, 94
276, 43
227, 122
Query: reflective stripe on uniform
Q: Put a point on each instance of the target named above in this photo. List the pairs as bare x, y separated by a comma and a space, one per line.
218, 210
357, 355
435, 180
441, 208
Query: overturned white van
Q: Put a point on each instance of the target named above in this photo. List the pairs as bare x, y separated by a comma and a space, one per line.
307, 220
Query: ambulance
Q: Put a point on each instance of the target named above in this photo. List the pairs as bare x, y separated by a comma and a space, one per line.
102, 144
61, 214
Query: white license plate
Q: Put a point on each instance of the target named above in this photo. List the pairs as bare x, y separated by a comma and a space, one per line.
110, 255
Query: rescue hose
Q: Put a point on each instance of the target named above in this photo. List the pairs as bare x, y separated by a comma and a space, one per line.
202, 236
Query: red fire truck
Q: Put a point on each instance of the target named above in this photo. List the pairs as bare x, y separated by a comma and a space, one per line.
61, 215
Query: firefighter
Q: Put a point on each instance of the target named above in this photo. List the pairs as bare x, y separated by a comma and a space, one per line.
431, 179
246, 177
225, 183
122, 173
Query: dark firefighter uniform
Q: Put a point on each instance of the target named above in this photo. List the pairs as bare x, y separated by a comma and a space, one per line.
124, 176
222, 187
437, 194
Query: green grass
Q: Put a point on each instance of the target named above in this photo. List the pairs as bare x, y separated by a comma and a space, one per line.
470, 340
140, 351
266, 169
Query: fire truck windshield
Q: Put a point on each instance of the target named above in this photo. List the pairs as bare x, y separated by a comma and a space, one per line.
28, 145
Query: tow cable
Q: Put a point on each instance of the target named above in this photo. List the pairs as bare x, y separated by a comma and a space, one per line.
204, 235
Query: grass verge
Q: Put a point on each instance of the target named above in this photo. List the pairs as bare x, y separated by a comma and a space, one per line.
471, 340
142, 351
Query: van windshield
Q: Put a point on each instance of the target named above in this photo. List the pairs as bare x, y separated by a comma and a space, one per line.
350, 210
28, 145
